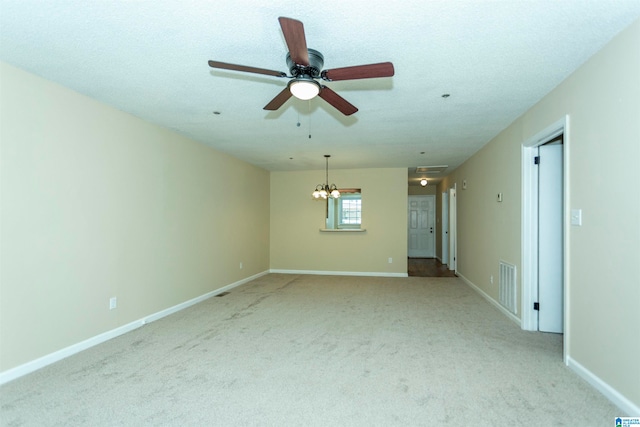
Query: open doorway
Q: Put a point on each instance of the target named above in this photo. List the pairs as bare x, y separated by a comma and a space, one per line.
421, 238
544, 210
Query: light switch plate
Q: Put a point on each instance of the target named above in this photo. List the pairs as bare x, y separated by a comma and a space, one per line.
576, 217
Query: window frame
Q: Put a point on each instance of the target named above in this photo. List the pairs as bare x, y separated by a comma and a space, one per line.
335, 206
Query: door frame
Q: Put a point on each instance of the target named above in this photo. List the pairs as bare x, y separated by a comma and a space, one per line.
444, 215
529, 320
453, 229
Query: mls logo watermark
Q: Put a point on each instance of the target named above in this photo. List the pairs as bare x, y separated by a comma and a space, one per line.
628, 422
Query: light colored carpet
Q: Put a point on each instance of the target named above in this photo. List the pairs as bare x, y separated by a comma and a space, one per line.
317, 351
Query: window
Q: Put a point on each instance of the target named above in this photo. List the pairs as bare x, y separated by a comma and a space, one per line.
346, 211
349, 210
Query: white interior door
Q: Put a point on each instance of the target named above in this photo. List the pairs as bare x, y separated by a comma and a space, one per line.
445, 228
421, 226
453, 250
550, 239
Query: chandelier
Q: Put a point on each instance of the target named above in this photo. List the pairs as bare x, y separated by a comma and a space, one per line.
323, 191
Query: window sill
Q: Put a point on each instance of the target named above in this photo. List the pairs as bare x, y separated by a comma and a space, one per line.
343, 230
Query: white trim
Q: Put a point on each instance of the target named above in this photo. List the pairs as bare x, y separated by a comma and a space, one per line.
189, 303
566, 170
343, 230
41, 362
453, 228
529, 237
609, 392
495, 303
339, 273
444, 228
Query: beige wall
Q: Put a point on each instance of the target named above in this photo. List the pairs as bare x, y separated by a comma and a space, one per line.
97, 203
297, 243
418, 190
489, 231
602, 99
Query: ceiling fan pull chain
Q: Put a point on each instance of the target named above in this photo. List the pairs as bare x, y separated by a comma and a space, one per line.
309, 103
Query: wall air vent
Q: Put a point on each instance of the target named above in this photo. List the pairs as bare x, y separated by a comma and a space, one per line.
507, 290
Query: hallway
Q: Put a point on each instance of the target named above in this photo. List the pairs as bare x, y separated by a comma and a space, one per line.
428, 267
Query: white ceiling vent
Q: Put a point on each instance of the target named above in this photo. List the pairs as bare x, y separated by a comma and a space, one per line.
431, 170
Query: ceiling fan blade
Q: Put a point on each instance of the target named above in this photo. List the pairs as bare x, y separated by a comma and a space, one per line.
280, 99
235, 67
382, 69
293, 31
338, 102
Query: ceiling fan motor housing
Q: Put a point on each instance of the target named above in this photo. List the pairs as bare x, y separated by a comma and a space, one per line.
316, 62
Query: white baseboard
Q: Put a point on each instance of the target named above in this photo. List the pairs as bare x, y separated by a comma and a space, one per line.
186, 304
41, 362
339, 273
609, 392
495, 303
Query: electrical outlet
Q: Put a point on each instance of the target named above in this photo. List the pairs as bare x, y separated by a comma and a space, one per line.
240, 266
491, 279
390, 260
113, 303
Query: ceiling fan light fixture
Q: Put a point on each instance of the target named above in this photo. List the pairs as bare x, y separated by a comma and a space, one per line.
304, 88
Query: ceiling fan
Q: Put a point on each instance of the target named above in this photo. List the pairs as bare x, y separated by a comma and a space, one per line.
305, 66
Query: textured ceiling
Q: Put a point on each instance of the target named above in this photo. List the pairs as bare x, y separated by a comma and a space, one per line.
149, 58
